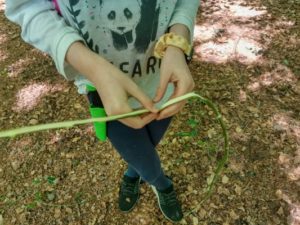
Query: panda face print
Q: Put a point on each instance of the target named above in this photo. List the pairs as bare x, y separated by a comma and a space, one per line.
120, 16
117, 24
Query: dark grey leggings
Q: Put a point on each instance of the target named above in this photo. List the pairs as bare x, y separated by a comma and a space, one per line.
137, 147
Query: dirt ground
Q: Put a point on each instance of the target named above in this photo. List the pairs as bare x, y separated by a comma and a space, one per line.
246, 60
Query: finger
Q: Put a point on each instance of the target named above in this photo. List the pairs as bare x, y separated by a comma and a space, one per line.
147, 114
179, 90
149, 118
136, 92
138, 122
133, 122
161, 90
171, 110
163, 84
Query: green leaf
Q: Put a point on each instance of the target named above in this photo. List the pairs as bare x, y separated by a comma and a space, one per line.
286, 62
31, 205
79, 198
36, 181
51, 180
38, 196
193, 123
50, 195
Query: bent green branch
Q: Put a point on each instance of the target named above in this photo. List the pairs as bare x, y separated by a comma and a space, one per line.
68, 124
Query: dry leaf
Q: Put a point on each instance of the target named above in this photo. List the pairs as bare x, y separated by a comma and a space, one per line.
225, 179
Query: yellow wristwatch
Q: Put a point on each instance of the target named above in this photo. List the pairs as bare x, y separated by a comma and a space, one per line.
173, 40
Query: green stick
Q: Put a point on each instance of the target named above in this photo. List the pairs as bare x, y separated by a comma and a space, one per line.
68, 124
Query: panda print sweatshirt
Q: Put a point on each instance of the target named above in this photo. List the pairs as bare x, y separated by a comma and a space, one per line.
123, 32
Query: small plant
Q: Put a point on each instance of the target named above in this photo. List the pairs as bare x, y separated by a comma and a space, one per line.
31, 206
79, 198
36, 181
51, 180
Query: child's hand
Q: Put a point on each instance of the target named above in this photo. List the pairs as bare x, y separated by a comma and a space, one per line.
114, 88
174, 69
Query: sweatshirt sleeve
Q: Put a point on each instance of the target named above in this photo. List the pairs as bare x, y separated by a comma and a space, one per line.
185, 13
43, 28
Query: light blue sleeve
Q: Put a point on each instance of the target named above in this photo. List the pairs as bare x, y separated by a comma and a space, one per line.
43, 28
185, 13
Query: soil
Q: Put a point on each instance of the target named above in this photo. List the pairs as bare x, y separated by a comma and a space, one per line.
67, 176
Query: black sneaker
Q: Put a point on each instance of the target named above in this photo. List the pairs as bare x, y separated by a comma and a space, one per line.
129, 193
168, 203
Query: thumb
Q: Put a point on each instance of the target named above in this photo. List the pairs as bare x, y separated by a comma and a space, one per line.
160, 92
136, 92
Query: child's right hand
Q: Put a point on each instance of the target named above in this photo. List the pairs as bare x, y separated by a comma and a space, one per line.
113, 86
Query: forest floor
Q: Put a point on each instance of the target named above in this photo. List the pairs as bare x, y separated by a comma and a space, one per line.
246, 60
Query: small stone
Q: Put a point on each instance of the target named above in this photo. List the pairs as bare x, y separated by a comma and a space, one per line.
225, 179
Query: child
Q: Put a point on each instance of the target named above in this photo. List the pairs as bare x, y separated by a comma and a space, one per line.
109, 44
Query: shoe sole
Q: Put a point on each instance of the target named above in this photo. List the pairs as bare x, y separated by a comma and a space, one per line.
127, 211
157, 196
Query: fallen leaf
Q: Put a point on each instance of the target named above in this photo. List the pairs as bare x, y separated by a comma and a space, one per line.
1, 220
225, 179
195, 221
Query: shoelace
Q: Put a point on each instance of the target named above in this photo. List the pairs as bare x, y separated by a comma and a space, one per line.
169, 198
128, 188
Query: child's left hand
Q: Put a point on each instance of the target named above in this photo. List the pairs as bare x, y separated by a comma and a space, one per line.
174, 69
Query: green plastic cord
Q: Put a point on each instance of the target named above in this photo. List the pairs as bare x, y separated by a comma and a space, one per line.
97, 112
